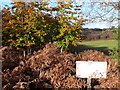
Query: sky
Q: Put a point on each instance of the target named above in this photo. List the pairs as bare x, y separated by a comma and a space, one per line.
85, 9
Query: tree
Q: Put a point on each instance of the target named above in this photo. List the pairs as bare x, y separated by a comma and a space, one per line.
28, 25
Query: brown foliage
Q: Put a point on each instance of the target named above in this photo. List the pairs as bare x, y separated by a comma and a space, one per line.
50, 68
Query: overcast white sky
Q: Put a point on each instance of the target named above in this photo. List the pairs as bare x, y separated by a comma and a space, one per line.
101, 25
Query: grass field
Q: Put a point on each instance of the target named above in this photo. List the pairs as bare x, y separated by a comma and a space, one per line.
109, 44
100, 45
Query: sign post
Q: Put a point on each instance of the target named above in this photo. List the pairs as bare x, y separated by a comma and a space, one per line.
91, 69
89, 83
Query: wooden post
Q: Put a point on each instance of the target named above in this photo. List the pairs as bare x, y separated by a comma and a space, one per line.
89, 83
24, 53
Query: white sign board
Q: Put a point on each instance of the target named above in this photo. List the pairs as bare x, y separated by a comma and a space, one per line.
91, 69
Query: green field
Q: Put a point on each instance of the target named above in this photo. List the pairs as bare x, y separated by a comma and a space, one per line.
109, 44
100, 45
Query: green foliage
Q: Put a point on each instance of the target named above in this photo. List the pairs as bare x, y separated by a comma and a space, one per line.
35, 24
22, 28
68, 32
114, 54
119, 45
115, 33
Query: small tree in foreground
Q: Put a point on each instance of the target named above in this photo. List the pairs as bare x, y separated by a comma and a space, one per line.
29, 25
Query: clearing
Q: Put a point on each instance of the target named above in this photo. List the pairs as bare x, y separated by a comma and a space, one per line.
100, 45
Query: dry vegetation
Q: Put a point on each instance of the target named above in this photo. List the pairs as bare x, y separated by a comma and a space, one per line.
50, 68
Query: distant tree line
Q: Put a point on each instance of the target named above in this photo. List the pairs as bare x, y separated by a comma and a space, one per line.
98, 34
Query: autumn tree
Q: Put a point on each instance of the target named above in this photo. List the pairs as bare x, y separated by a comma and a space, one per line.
29, 25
